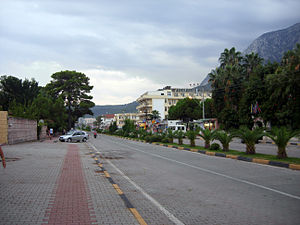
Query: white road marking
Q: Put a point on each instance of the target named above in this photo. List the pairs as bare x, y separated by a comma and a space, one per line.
155, 203
218, 174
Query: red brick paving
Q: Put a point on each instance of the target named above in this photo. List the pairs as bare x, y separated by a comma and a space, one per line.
71, 202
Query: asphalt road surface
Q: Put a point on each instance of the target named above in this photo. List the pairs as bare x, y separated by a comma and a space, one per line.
170, 186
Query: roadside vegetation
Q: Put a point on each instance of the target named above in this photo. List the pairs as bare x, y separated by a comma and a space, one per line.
249, 137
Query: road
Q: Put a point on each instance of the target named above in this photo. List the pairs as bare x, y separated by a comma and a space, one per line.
170, 186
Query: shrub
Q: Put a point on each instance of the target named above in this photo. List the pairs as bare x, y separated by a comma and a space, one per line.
148, 139
165, 140
215, 146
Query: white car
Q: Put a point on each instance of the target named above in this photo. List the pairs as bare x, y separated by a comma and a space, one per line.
75, 135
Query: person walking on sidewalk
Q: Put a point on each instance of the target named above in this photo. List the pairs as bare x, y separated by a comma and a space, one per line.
51, 133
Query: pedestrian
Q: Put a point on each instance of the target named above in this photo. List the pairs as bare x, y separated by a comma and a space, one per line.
51, 133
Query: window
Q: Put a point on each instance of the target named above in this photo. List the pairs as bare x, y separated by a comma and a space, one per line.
169, 93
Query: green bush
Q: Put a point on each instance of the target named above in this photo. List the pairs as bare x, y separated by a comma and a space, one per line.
148, 139
165, 140
215, 146
156, 138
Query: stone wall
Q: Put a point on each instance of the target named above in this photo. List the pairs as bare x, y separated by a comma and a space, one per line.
3, 127
21, 130
43, 134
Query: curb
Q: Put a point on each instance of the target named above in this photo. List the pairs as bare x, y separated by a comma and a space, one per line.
126, 201
243, 158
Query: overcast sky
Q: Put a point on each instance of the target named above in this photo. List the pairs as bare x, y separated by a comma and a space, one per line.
128, 47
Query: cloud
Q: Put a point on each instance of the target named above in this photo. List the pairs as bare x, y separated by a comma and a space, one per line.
40, 71
116, 87
171, 42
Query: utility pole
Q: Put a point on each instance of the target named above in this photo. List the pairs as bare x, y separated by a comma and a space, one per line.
203, 103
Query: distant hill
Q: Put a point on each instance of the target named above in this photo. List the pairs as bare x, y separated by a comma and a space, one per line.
272, 45
114, 109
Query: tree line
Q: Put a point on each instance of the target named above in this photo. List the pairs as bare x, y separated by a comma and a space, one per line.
245, 89
59, 104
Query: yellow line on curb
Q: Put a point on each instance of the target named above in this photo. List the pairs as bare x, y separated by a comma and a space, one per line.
210, 153
231, 156
261, 161
106, 174
120, 192
294, 166
137, 216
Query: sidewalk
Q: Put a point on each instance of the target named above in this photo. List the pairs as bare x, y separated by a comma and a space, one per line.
57, 183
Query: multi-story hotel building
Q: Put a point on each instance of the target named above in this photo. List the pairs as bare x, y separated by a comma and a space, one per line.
121, 117
162, 99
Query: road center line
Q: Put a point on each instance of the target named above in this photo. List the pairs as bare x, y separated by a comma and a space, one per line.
156, 203
216, 173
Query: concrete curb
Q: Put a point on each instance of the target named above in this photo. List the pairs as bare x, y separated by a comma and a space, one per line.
246, 159
219, 154
126, 201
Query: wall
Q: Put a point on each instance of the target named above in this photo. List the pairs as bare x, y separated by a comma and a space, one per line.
159, 105
21, 130
3, 127
43, 134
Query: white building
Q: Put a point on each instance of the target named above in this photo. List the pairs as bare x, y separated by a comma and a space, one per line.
86, 121
107, 119
162, 99
121, 117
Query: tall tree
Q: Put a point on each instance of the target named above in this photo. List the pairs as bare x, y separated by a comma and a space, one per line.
14, 89
230, 58
186, 109
73, 87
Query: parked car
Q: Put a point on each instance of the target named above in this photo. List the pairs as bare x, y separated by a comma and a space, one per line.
74, 135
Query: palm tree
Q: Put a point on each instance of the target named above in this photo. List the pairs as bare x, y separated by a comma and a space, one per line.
230, 57
179, 135
207, 135
154, 115
281, 137
251, 61
191, 134
250, 137
225, 138
170, 135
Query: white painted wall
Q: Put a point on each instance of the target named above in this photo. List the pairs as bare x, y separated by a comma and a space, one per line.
159, 105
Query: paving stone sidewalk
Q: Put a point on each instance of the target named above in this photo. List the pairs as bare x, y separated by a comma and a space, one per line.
57, 183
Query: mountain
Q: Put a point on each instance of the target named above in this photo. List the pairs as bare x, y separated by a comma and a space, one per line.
272, 45
114, 109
